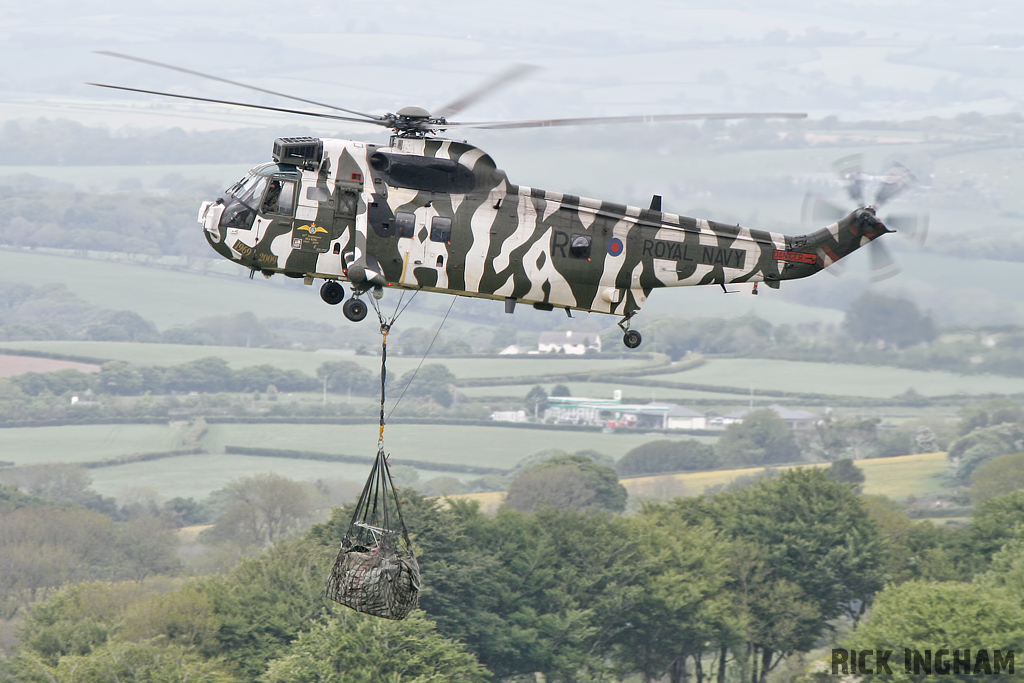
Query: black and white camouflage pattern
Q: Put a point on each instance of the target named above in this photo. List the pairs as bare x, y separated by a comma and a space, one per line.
509, 241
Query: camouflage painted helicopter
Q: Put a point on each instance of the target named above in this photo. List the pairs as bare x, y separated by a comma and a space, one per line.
426, 213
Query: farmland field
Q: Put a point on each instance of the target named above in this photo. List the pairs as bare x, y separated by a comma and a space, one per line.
605, 390
500, 447
839, 379
17, 365
197, 475
171, 297
897, 478
309, 361
82, 443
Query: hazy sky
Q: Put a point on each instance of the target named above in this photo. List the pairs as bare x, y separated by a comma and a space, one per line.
893, 59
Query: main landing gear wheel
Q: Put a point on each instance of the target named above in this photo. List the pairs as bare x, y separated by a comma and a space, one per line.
354, 309
632, 339
332, 292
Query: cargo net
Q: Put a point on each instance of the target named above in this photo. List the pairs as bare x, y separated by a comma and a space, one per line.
376, 572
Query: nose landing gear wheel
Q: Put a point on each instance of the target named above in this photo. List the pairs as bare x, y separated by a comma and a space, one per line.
332, 292
354, 310
632, 339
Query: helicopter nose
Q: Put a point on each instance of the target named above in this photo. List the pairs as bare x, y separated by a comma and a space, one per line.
209, 217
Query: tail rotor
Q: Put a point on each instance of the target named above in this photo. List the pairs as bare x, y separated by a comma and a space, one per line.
882, 189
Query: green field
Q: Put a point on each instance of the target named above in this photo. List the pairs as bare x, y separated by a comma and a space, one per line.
196, 476
500, 447
838, 379
605, 390
170, 297
83, 443
309, 361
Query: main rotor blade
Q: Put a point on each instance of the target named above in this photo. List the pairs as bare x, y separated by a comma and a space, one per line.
512, 73
599, 120
333, 117
200, 74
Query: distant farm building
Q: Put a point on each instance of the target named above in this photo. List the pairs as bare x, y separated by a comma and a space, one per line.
796, 419
509, 416
614, 413
513, 350
569, 342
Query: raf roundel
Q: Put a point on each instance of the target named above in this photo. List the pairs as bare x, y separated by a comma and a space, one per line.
614, 246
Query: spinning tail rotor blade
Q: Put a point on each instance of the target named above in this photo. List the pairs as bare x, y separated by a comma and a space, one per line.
817, 211
850, 171
893, 183
911, 226
882, 262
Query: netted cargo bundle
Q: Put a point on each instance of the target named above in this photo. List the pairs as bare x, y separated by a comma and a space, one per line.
376, 572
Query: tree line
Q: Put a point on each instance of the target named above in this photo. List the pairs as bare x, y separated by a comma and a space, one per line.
722, 587
877, 329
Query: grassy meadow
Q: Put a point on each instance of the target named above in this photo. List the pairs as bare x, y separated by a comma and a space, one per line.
897, 478
84, 443
497, 446
195, 476
909, 475
308, 361
838, 379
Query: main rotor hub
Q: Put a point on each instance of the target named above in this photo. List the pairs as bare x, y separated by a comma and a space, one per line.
414, 113
413, 122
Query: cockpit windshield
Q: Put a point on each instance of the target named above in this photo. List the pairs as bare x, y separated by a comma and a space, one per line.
248, 190
241, 201
250, 195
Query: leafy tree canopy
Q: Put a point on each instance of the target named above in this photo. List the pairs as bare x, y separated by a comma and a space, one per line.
892, 320
675, 455
572, 482
763, 438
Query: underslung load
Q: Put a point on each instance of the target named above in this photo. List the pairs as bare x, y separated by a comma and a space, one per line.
376, 572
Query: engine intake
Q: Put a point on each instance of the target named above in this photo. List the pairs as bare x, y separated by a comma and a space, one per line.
304, 152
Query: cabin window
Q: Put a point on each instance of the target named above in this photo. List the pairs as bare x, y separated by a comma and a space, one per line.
318, 194
440, 229
579, 246
406, 223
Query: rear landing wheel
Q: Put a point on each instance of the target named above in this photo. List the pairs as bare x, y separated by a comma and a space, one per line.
632, 339
354, 310
332, 292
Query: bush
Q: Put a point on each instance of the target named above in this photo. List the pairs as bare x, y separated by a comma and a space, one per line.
655, 457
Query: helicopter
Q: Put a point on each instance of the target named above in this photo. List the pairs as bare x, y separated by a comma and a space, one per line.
424, 212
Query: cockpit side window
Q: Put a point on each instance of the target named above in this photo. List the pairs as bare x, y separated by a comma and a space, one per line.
280, 197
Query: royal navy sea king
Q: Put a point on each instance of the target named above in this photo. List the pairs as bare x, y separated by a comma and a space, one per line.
427, 213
